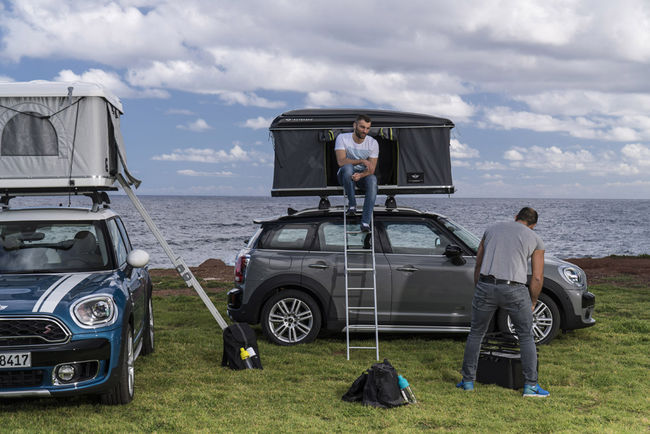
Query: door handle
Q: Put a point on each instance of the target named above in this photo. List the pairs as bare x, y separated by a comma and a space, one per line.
409, 268
322, 266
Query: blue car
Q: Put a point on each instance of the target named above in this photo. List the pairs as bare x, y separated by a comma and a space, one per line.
75, 304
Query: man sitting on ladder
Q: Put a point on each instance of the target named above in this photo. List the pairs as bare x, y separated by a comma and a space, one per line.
356, 155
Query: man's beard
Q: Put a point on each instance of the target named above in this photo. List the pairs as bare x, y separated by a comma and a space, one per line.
360, 134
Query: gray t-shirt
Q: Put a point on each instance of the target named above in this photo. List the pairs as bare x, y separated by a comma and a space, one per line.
507, 248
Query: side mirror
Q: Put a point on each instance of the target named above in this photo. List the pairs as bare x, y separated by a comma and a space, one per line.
455, 253
136, 259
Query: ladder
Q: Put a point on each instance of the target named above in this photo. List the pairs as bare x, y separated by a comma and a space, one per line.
367, 249
179, 263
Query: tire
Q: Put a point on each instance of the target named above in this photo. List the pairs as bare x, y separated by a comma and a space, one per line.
291, 317
546, 320
124, 390
148, 343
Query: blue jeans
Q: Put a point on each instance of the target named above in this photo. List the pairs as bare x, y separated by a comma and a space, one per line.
515, 299
368, 184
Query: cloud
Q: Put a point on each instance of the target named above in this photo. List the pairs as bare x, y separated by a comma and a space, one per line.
637, 154
198, 126
552, 159
258, 123
207, 155
620, 129
220, 174
249, 99
183, 112
490, 165
5, 79
460, 150
111, 81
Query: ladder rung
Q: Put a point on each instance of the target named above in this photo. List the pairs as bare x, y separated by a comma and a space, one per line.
361, 308
356, 232
361, 269
361, 289
363, 348
359, 250
361, 327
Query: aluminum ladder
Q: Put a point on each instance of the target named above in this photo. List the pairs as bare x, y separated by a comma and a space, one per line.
357, 252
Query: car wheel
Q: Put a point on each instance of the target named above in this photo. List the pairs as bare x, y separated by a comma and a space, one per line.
291, 317
148, 343
124, 389
546, 320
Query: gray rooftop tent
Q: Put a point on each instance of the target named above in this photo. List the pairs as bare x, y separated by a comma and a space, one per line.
55, 134
65, 138
413, 151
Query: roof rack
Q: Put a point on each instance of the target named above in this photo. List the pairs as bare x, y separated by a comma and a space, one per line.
98, 195
324, 202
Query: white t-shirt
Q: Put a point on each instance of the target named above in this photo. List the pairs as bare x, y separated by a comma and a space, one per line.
369, 148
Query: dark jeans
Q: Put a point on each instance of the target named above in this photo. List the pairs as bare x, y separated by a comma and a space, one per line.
369, 186
515, 299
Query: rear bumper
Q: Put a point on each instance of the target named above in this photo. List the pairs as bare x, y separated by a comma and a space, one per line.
239, 312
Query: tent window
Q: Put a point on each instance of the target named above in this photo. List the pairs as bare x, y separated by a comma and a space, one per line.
28, 134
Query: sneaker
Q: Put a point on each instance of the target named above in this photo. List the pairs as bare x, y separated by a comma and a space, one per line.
351, 211
465, 385
365, 227
536, 391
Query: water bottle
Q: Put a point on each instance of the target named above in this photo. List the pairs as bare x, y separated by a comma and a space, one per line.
405, 388
246, 357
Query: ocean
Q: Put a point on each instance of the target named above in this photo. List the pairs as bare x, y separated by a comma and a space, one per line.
202, 227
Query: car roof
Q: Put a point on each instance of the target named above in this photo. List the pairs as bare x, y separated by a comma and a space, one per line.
55, 214
338, 211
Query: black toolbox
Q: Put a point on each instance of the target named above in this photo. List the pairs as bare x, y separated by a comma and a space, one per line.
499, 361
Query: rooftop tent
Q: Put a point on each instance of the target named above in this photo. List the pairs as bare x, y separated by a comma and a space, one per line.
413, 152
55, 135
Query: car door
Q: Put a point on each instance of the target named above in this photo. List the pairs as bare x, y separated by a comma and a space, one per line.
135, 282
427, 288
325, 264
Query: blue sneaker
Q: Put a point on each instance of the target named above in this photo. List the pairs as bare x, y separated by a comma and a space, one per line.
535, 391
465, 385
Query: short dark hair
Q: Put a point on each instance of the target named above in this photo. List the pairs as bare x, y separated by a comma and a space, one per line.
528, 215
364, 118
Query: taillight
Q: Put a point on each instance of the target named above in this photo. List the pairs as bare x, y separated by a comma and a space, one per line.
240, 268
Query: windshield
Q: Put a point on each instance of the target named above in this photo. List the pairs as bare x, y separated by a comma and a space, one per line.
52, 247
465, 236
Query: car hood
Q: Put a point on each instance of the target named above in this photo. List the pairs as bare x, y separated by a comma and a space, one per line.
43, 293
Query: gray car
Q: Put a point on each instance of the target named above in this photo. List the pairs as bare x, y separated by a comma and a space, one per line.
290, 278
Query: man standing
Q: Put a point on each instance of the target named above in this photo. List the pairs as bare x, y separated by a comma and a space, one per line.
500, 276
356, 155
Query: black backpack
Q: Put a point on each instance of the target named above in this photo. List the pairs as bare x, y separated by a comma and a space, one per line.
377, 387
235, 338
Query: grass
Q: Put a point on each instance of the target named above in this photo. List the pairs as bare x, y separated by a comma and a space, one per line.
598, 378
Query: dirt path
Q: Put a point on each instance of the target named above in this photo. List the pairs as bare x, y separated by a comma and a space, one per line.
597, 269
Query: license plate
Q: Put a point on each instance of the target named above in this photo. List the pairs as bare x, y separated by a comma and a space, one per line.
15, 360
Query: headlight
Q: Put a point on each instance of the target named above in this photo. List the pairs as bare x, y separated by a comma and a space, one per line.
573, 275
94, 311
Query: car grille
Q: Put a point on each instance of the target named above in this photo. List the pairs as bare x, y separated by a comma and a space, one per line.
23, 378
31, 331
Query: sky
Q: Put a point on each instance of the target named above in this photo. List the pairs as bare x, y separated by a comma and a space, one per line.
549, 99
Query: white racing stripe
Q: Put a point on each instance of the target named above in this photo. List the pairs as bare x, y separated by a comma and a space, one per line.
55, 297
48, 291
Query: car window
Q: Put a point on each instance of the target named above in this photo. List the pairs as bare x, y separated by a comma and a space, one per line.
118, 244
125, 236
466, 236
416, 238
286, 237
330, 236
52, 246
